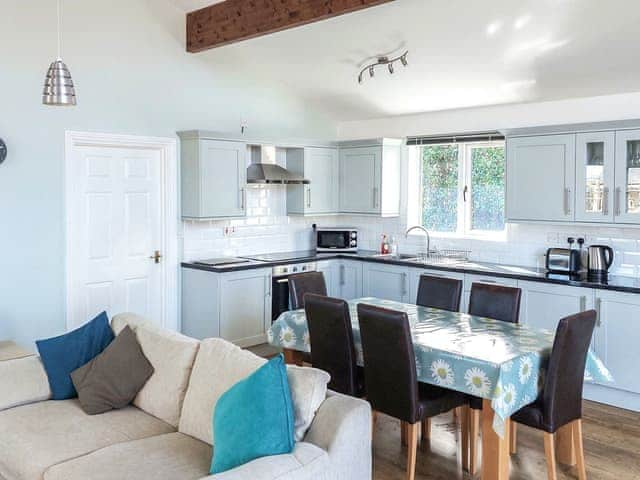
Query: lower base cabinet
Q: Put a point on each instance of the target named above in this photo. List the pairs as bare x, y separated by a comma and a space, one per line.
415, 275
235, 306
470, 279
389, 282
544, 304
617, 338
343, 278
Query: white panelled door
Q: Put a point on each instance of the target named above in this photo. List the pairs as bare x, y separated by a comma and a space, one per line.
116, 245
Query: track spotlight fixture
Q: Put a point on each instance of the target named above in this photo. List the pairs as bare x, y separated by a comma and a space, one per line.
383, 61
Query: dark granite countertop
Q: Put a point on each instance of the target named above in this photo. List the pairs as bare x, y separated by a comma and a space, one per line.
612, 282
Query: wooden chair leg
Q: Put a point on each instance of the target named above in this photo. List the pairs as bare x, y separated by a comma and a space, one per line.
403, 433
474, 429
426, 432
579, 447
513, 439
464, 434
412, 450
550, 453
374, 419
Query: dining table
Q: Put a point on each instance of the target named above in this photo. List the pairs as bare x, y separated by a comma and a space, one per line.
503, 363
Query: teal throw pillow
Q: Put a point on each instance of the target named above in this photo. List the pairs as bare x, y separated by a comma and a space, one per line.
254, 418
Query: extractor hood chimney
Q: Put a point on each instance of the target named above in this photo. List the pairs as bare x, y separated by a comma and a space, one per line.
264, 170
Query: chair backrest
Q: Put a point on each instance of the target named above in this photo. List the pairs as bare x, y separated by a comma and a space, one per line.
307, 282
562, 391
331, 339
495, 301
439, 292
389, 362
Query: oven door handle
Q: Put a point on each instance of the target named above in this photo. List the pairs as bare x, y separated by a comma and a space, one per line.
282, 280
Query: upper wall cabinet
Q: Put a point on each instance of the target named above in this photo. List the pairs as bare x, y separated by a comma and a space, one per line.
213, 174
541, 178
627, 177
320, 167
595, 166
370, 178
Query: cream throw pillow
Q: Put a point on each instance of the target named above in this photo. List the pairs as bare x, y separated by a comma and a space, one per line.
219, 365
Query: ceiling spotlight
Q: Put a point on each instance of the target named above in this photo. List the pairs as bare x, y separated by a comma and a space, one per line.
383, 61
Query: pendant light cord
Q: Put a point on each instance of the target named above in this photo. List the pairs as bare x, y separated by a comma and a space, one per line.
59, 31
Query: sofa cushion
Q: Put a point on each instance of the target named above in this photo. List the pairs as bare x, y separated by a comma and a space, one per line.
22, 381
172, 456
254, 418
220, 365
63, 354
35, 437
113, 379
172, 356
306, 462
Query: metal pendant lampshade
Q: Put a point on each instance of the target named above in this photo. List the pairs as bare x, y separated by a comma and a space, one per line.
58, 85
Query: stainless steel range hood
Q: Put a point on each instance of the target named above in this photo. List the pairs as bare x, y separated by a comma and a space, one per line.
264, 170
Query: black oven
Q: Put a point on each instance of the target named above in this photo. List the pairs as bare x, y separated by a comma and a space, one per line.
280, 301
336, 239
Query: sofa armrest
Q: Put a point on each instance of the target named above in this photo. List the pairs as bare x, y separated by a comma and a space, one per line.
342, 427
23, 381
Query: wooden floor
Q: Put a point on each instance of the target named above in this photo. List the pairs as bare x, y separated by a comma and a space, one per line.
611, 440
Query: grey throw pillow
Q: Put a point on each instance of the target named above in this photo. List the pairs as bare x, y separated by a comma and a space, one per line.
113, 379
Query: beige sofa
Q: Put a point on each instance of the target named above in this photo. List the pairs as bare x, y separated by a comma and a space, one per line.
167, 433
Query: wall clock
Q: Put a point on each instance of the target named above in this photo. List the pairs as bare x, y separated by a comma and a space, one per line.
3, 151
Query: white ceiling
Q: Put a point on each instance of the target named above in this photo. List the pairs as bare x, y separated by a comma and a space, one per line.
461, 53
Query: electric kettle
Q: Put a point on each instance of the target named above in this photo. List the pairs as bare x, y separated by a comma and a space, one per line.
600, 259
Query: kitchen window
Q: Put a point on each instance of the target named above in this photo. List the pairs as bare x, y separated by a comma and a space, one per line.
461, 187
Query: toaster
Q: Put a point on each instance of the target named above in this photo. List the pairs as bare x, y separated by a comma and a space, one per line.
564, 260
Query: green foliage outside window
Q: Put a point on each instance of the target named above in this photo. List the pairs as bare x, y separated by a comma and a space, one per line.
440, 188
487, 187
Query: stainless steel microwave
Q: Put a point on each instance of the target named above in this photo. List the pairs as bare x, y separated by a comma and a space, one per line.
336, 239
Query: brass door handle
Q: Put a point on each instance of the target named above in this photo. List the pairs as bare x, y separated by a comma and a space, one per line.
156, 256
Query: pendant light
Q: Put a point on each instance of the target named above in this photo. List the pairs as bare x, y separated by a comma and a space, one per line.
58, 84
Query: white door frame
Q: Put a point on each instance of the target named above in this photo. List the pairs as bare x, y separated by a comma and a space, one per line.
167, 148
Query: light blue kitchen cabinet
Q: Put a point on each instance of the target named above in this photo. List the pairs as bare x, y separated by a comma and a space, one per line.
544, 304
320, 166
213, 177
389, 282
541, 178
235, 306
370, 177
329, 268
617, 337
471, 278
349, 279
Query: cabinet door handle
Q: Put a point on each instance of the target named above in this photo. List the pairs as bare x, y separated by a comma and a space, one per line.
605, 201
375, 195
341, 274
583, 303
598, 312
242, 199
309, 197
567, 201
404, 284
617, 202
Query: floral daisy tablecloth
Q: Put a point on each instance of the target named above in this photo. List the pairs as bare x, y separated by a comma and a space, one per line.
500, 361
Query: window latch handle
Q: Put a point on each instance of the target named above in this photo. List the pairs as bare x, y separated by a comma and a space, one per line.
465, 192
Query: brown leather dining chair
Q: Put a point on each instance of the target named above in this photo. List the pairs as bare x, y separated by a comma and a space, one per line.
560, 402
332, 346
499, 303
299, 285
306, 282
391, 377
439, 292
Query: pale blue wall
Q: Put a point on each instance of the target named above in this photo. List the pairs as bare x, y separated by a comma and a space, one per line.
134, 77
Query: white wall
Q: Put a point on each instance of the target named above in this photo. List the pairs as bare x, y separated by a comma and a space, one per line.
499, 117
133, 76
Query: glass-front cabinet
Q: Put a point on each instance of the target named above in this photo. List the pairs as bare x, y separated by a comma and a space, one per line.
627, 173
595, 166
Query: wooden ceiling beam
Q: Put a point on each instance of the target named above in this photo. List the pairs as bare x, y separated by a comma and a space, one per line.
236, 20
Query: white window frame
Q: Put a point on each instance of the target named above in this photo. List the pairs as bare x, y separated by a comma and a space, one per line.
463, 228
